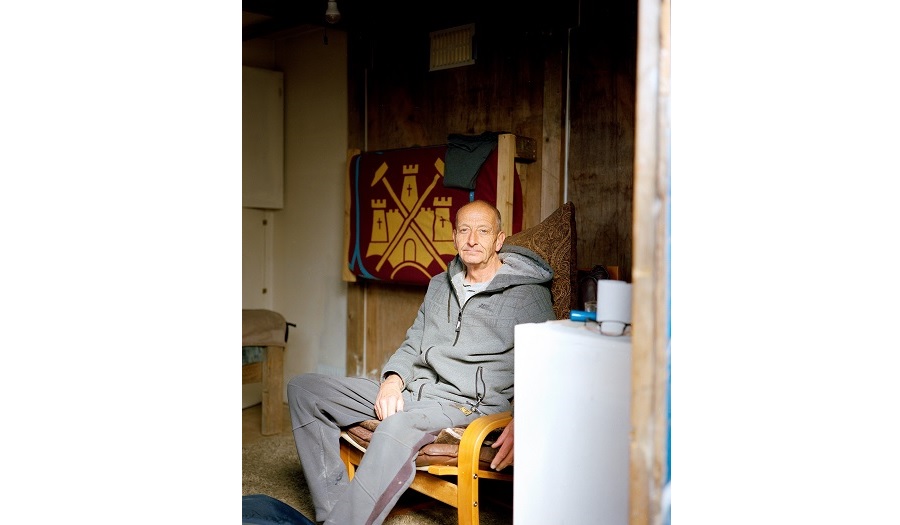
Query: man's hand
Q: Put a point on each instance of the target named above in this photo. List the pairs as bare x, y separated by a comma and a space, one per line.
390, 397
504, 457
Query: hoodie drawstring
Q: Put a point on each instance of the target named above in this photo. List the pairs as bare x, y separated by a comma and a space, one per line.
479, 392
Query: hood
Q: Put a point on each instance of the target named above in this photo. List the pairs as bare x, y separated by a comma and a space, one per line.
520, 266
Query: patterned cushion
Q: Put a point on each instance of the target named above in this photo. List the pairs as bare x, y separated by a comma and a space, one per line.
555, 240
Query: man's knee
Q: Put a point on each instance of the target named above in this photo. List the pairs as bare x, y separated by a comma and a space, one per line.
295, 386
303, 392
300, 382
310, 384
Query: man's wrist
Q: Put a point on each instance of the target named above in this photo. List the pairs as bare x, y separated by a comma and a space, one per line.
394, 378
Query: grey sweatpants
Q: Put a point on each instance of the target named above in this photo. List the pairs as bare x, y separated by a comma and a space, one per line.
320, 405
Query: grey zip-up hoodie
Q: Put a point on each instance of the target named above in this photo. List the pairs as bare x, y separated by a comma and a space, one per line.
463, 353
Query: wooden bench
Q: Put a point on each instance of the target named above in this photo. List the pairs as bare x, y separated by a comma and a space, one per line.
265, 335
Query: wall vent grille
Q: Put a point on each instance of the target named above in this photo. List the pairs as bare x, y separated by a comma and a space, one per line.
452, 47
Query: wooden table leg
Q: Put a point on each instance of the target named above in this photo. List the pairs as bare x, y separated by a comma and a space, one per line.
272, 395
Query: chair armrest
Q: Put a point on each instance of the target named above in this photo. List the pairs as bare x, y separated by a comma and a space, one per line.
467, 463
475, 434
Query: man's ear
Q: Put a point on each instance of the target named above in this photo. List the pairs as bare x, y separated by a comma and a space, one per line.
500, 238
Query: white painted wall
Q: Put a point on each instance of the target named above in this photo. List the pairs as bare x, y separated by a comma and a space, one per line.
307, 233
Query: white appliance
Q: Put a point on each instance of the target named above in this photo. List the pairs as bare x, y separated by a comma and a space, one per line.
572, 421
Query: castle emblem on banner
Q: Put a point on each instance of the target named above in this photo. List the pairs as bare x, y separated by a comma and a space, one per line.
412, 228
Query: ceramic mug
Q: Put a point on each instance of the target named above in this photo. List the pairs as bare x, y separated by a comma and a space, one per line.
613, 306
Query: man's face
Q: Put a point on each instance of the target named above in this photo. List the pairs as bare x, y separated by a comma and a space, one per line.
477, 236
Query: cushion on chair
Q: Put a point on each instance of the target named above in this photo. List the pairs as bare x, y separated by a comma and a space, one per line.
555, 240
443, 451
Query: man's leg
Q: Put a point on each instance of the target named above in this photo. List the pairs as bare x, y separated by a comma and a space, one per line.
319, 405
388, 466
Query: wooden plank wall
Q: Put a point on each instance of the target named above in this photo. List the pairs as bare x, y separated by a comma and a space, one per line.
601, 150
518, 84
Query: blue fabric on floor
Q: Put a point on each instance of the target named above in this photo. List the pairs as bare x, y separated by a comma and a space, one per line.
259, 509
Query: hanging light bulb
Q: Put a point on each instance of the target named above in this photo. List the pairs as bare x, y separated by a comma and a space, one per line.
332, 15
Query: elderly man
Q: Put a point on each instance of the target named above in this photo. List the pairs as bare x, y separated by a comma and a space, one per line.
455, 365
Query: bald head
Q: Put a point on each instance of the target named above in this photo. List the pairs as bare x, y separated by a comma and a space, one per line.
478, 238
484, 207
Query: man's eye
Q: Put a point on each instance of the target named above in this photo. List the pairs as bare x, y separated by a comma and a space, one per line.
483, 231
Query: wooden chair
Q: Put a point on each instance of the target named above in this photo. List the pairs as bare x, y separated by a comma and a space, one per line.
448, 471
